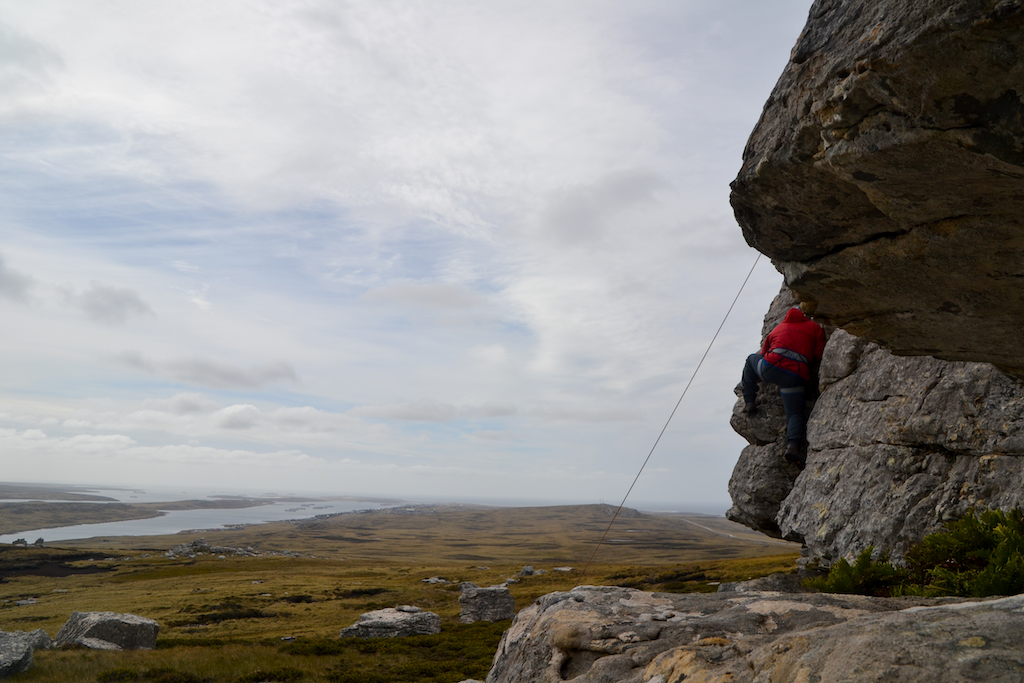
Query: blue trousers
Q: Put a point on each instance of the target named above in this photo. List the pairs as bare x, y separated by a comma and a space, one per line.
791, 387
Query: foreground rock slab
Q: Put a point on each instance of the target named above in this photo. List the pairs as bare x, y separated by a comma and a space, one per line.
394, 622
485, 604
617, 635
15, 655
100, 630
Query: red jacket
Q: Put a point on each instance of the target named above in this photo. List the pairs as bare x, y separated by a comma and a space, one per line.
799, 336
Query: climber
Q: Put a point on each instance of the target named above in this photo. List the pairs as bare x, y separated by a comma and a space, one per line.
789, 357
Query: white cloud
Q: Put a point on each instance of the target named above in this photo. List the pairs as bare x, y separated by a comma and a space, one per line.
423, 410
559, 413
435, 295
431, 410
238, 417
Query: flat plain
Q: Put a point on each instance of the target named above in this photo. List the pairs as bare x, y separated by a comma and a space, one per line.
225, 618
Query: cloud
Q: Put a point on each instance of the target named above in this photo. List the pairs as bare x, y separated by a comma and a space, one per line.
580, 215
226, 376
108, 305
182, 404
488, 409
584, 415
208, 373
14, 285
423, 410
24, 62
443, 296
134, 359
238, 417
185, 267
431, 410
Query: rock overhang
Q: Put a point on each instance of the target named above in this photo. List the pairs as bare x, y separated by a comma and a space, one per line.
885, 178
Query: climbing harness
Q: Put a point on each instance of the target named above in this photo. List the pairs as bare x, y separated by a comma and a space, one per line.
671, 415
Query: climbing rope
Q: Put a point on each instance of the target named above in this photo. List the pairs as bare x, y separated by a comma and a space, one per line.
671, 415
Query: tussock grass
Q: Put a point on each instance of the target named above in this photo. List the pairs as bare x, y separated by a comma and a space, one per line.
225, 620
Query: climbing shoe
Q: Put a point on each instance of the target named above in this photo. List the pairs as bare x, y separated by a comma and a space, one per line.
749, 408
794, 455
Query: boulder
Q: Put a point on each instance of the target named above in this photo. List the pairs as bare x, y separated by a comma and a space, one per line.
124, 631
618, 635
37, 640
485, 604
394, 622
15, 655
883, 178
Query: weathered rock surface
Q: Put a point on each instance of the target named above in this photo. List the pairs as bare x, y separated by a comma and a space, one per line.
15, 655
618, 635
896, 446
485, 604
37, 640
884, 178
124, 631
394, 622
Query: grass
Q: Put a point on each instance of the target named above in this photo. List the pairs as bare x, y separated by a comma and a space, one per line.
225, 620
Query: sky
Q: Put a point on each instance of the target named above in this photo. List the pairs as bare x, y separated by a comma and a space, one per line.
436, 250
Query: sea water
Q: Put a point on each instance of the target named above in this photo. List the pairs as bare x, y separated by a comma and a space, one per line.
174, 521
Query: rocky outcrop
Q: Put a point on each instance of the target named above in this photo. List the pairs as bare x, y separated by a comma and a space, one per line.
15, 655
108, 631
618, 635
896, 446
485, 604
884, 177
394, 622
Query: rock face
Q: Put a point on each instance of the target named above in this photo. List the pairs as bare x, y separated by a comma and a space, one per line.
896, 446
394, 622
485, 604
100, 630
884, 178
15, 655
618, 635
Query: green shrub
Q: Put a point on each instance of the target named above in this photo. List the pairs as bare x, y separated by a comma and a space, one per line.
117, 675
865, 576
974, 556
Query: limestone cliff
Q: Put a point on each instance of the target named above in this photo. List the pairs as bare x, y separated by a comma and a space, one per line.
896, 446
885, 179
886, 176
